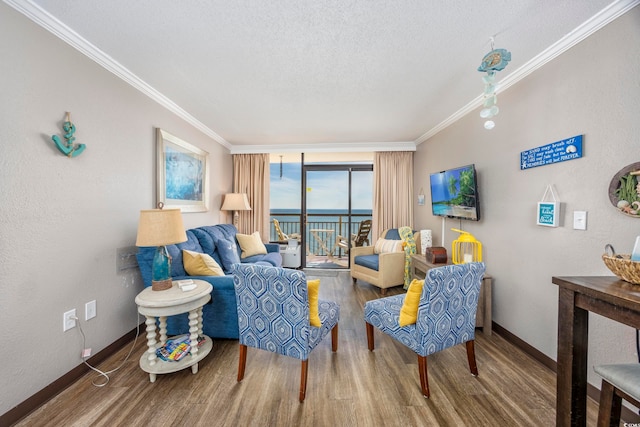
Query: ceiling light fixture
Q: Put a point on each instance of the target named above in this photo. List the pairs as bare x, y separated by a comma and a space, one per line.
493, 61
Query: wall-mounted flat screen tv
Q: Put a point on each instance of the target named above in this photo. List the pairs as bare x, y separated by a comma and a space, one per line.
454, 193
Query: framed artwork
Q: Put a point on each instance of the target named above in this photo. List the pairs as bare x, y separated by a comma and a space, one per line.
548, 214
183, 174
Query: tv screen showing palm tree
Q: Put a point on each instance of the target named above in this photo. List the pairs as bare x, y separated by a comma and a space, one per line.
454, 193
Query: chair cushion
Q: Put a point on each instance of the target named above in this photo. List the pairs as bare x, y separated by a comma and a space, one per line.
392, 234
409, 310
198, 264
384, 314
251, 244
372, 262
625, 377
329, 313
313, 288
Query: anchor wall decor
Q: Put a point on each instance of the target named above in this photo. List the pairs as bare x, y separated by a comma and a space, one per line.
67, 147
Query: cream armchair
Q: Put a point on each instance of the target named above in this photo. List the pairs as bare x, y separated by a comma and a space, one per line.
384, 270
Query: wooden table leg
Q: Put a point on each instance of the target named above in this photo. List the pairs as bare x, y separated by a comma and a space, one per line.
573, 335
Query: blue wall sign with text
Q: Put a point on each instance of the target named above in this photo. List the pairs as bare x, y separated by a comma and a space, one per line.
561, 151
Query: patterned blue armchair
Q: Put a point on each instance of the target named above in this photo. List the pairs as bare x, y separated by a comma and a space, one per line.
273, 315
446, 315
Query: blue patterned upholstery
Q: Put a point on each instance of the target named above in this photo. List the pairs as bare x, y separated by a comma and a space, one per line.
273, 313
446, 313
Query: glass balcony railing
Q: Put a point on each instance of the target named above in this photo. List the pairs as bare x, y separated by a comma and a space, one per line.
322, 230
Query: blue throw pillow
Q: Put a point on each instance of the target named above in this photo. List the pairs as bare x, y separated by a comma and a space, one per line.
228, 252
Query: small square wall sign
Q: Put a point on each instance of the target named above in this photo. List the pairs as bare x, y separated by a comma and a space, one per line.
548, 213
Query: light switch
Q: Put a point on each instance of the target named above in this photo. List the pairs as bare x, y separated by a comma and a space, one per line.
579, 220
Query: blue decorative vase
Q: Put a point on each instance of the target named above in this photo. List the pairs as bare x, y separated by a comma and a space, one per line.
161, 270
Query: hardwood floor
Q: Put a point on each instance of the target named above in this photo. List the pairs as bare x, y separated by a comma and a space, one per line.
353, 387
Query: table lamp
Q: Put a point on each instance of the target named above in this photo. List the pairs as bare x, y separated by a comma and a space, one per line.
235, 202
160, 227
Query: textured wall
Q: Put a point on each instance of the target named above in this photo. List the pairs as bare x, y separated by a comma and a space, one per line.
63, 219
593, 89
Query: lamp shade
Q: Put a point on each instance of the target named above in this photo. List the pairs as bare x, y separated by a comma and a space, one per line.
159, 227
236, 202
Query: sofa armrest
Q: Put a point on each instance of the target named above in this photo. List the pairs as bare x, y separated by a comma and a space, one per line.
361, 250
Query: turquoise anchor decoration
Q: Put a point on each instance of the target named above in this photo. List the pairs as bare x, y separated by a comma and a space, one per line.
68, 148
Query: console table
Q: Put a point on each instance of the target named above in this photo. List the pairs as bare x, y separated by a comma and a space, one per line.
607, 296
165, 303
419, 268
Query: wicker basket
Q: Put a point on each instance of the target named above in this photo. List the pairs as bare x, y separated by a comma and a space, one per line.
623, 267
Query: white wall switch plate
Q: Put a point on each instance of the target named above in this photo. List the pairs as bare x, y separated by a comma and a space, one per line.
90, 310
579, 220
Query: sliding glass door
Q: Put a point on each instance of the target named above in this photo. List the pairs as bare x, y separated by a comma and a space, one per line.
336, 198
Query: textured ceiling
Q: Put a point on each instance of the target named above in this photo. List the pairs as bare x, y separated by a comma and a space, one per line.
318, 73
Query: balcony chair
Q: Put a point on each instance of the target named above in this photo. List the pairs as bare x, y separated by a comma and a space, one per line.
445, 316
357, 239
274, 315
281, 236
382, 264
619, 382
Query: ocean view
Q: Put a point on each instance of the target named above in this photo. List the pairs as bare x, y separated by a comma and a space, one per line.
332, 219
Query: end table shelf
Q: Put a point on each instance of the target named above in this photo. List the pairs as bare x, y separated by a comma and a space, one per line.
160, 304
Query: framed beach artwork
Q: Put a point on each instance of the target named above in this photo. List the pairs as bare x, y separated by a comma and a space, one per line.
183, 174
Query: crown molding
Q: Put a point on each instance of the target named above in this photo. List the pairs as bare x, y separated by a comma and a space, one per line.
75, 40
593, 24
69, 36
322, 147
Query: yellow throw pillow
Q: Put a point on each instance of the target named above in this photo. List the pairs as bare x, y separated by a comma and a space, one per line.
313, 287
198, 264
251, 244
409, 310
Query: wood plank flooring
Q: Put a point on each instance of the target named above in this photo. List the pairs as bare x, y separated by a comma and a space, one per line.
353, 387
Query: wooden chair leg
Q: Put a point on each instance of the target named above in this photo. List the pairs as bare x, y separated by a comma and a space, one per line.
242, 362
424, 378
610, 406
471, 356
334, 338
370, 341
303, 380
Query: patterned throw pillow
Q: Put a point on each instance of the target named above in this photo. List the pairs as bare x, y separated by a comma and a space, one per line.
228, 252
251, 244
313, 287
409, 310
384, 246
198, 264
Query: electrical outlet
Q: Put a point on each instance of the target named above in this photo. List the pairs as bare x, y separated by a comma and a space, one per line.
69, 320
90, 310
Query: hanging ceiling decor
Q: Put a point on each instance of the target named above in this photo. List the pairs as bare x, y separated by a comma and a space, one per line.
493, 61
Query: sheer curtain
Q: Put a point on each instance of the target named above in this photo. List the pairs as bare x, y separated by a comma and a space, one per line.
392, 191
251, 176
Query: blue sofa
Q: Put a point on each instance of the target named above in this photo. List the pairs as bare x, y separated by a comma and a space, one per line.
220, 316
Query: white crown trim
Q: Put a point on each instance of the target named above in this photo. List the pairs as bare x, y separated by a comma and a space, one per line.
322, 147
75, 40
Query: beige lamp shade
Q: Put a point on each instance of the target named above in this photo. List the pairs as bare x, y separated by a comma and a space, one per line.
159, 227
236, 202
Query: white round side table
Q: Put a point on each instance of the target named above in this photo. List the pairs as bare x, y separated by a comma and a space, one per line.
160, 304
